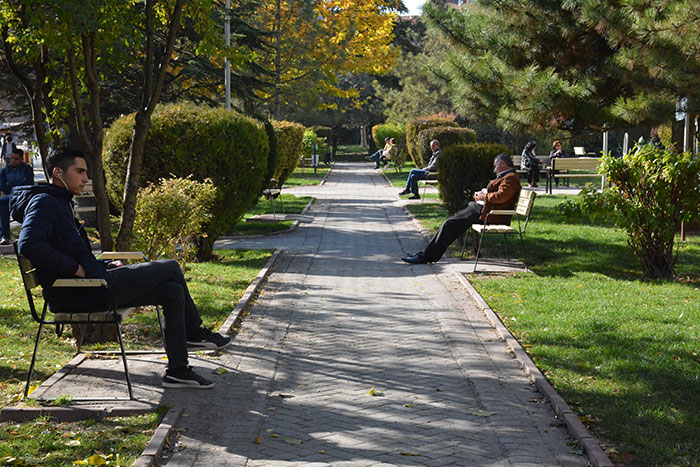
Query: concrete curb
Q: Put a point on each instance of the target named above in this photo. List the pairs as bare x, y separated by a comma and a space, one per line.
155, 446
590, 445
296, 223
69, 414
249, 294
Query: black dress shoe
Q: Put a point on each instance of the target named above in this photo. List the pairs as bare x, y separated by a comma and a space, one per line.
415, 259
404, 192
416, 196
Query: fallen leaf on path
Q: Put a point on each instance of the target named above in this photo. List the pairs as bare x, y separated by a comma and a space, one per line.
292, 441
373, 392
409, 405
220, 371
406, 453
257, 440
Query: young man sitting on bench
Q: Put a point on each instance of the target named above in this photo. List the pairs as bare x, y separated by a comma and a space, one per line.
56, 243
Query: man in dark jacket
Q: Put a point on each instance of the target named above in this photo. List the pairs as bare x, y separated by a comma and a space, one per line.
501, 193
422, 174
17, 173
56, 243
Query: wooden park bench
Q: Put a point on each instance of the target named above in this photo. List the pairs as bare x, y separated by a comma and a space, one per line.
110, 315
573, 167
522, 212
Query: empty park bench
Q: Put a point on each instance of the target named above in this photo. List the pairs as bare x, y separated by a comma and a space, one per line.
573, 167
108, 314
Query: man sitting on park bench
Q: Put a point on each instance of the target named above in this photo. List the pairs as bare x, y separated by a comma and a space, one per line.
501, 193
54, 240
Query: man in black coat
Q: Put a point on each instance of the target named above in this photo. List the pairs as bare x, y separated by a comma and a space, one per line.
54, 240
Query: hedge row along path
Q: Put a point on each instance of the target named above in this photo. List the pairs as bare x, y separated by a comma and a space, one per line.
340, 317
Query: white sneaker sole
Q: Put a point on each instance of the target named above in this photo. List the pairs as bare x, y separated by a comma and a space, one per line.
173, 382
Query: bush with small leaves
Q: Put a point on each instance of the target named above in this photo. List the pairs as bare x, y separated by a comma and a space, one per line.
464, 169
170, 215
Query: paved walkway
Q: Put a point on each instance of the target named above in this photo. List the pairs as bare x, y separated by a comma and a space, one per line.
341, 315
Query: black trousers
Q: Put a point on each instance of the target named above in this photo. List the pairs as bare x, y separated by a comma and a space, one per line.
153, 283
533, 175
452, 228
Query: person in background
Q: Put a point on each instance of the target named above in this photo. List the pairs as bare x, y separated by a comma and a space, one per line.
7, 147
17, 173
376, 157
557, 151
500, 193
422, 174
390, 153
529, 162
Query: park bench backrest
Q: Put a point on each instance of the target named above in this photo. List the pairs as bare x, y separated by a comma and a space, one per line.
576, 163
525, 202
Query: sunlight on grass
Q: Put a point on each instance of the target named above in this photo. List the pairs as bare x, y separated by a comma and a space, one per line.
623, 351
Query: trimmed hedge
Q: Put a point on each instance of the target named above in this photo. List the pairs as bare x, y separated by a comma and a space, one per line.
446, 135
185, 139
391, 130
289, 138
464, 169
414, 127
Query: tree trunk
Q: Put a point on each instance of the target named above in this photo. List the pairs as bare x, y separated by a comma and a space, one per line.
278, 58
151, 95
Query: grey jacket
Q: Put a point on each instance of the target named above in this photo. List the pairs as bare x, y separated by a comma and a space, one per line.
432, 164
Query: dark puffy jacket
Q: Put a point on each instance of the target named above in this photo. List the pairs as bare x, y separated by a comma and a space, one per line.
11, 177
51, 237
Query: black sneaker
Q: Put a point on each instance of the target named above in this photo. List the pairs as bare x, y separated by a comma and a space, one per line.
404, 192
185, 378
209, 341
4, 241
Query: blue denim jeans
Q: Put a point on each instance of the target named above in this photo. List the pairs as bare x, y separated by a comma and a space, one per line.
376, 157
412, 181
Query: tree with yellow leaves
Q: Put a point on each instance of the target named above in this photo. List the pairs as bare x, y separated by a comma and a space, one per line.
311, 42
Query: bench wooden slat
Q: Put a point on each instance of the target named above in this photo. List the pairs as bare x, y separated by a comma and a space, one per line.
579, 163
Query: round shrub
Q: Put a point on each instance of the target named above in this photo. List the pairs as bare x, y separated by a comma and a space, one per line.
414, 127
446, 135
289, 138
464, 169
187, 139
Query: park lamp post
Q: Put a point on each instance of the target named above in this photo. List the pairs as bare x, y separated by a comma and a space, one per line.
227, 64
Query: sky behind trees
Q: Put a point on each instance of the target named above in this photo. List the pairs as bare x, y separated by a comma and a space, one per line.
413, 6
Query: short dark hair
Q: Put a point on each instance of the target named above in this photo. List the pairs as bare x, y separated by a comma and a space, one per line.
18, 151
505, 158
62, 158
386, 139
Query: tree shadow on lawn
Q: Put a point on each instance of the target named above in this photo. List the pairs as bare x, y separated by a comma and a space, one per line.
644, 395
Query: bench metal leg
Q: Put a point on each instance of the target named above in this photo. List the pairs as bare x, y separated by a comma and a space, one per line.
126, 365
522, 247
505, 240
31, 365
478, 250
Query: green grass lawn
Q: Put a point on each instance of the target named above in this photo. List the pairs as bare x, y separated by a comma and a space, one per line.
292, 205
303, 176
216, 287
623, 351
